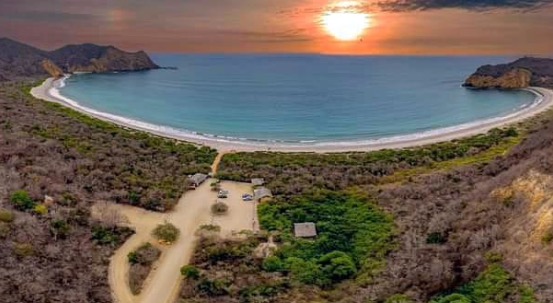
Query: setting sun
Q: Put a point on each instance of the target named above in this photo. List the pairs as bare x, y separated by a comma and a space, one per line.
346, 26
345, 22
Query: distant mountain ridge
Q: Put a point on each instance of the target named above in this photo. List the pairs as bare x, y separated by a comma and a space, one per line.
19, 60
521, 73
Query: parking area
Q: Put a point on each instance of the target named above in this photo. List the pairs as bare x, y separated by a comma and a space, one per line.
241, 214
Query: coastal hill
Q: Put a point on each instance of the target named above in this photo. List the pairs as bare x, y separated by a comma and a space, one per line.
19, 60
521, 73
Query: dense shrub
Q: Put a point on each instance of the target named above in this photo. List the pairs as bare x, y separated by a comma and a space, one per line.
494, 285
167, 232
6, 216
219, 208
109, 236
190, 272
23, 250
352, 233
273, 264
141, 261
41, 210
337, 266
294, 173
399, 299
46, 149
22, 200
60, 229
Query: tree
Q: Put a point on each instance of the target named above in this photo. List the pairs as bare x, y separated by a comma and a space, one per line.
167, 232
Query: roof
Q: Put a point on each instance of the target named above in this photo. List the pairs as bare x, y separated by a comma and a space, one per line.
305, 230
261, 192
258, 181
198, 178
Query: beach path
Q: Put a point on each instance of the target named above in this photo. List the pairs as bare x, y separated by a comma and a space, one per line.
216, 162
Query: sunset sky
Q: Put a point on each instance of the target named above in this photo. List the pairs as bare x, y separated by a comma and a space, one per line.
417, 27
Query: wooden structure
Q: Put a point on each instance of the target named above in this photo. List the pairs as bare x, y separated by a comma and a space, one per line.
196, 180
258, 181
261, 193
305, 230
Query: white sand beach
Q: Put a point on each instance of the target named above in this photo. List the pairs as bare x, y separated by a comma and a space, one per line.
48, 91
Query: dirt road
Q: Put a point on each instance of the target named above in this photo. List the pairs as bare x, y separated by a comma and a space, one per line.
192, 211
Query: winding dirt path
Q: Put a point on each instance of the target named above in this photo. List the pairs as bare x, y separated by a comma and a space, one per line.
192, 211
216, 162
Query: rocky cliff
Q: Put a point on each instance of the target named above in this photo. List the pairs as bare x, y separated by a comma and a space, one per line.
521, 73
99, 59
18, 60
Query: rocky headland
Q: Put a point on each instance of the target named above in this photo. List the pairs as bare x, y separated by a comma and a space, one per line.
18, 60
522, 73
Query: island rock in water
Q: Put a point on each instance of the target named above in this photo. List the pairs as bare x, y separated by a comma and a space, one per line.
18, 60
521, 73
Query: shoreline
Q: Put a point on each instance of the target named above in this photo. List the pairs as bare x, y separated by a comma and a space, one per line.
49, 91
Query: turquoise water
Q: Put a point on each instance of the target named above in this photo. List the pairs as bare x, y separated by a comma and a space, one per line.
299, 97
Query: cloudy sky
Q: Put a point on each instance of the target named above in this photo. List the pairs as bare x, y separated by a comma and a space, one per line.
452, 27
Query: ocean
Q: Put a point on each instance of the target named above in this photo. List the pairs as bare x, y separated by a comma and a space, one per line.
299, 98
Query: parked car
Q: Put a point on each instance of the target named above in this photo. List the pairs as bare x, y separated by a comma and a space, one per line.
247, 197
223, 194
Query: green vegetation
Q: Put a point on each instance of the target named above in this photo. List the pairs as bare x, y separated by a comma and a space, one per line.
141, 261
110, 236
167, 233
273, 264
546, 239
436, 238
60, 229
23, 250
494, 285
213, 287
354, 236
22, 201
342, 170
145, 254
6, 216
41, 210
399, 299
210, 227
262, 292
190, 272
136, 168
49, 150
